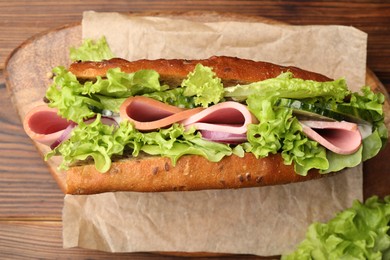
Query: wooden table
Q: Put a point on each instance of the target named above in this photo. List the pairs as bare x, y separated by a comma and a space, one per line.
30, 201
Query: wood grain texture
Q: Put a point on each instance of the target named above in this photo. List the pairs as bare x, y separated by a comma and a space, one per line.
43, 240
22, 19
30, 201
26, 190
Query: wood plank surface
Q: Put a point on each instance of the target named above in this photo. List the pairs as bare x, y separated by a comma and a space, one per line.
30, 201
43, 240
21, 19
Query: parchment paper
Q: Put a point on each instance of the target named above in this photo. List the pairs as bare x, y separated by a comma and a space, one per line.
263, 221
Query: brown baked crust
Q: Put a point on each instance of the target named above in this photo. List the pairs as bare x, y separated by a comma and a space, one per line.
192, 172
231, 70
156, 174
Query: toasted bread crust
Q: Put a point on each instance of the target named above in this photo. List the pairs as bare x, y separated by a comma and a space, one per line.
192, 172
231, 70
156, 174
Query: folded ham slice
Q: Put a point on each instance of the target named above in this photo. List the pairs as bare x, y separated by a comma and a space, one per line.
148, 114
227, 117
224, 122
339, 137
44, 125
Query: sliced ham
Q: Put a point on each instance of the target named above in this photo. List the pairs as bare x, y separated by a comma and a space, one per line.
226, 117
148, 114
338, 137
224, 122
44, 125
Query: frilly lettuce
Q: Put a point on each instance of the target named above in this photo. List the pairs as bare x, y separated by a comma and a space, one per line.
204, 85
95, 140
201, 87
286, 86
372, 103
190, 143
174, 97
92, 51
65, 95
76, 101
360, 232
369, 100
120, 84
100, 142
279, 130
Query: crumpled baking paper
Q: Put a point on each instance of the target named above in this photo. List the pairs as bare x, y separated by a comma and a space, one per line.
263, 221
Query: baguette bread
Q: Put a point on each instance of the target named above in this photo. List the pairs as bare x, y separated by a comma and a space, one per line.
192, 172
153, 173
231, 70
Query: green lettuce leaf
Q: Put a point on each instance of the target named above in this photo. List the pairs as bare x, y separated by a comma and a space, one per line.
95, 140
92, 51
360, 232
174, 97
101, 142
372, 145
286, 86
109, 103
204, 85
118, 84
373, 103
278, 130
367, 99
65, 94
76, 101
338, 162
191, 144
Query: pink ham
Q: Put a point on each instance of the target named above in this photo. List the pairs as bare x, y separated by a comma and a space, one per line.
227, 117
148, 114
338, 137
42, 124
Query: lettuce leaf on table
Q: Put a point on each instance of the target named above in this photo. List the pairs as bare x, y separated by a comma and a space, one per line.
360, 232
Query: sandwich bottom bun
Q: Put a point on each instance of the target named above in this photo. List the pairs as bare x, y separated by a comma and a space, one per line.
192, 172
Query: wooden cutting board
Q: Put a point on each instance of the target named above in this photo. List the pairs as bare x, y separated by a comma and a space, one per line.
28, 67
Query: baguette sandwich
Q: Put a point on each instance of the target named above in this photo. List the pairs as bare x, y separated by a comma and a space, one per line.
217, 123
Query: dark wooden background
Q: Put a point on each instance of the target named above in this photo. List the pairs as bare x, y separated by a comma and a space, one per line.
30, 201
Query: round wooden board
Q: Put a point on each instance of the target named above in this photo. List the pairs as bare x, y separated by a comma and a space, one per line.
28, 66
